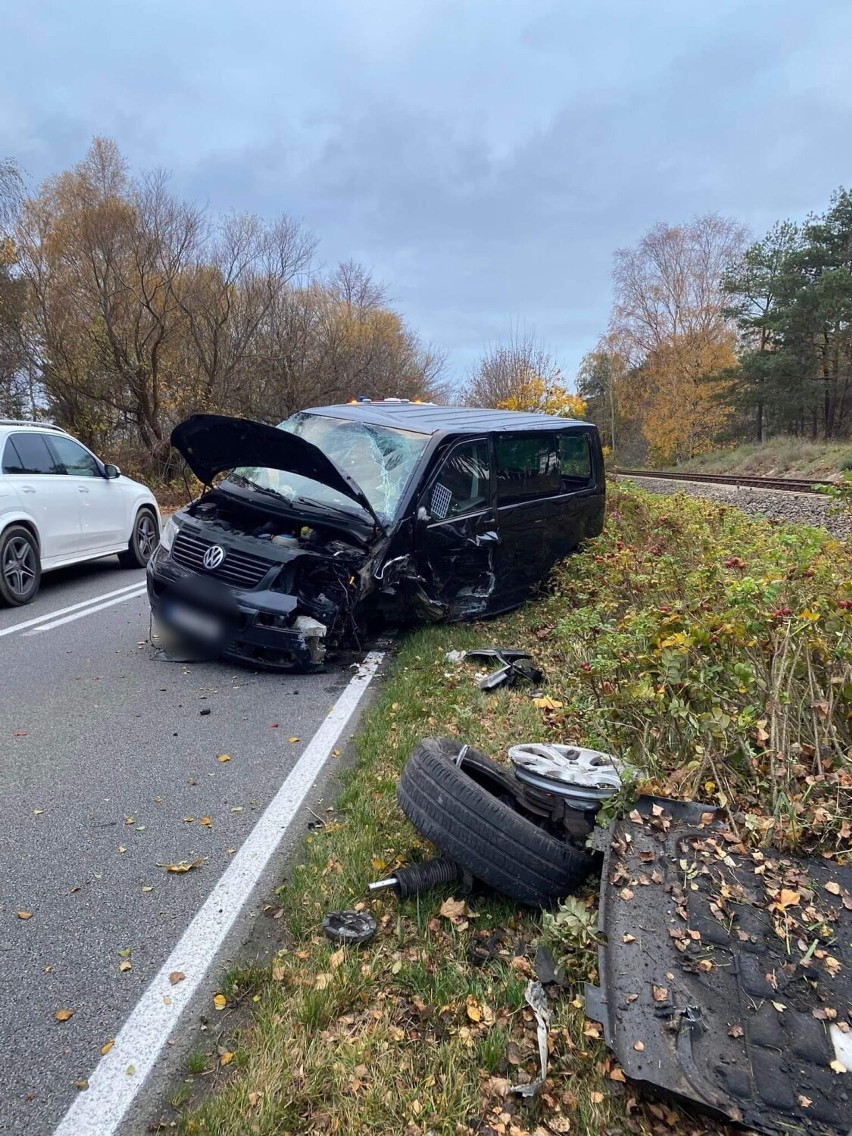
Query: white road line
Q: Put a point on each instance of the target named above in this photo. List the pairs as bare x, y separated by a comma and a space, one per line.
63, 610
112, 1086
88, 611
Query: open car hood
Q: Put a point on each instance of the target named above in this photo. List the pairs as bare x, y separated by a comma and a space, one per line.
213, 443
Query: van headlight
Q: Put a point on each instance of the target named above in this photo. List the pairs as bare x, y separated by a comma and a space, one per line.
167, 536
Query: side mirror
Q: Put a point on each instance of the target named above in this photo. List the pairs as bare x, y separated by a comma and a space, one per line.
111, 472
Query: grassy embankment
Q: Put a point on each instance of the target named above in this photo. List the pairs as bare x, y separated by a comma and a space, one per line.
780, 457
713, 650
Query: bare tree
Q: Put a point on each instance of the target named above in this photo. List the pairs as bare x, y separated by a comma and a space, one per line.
505, 367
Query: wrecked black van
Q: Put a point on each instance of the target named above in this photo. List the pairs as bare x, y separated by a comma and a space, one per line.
345, 518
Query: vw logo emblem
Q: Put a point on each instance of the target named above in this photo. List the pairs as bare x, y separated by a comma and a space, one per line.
213, 557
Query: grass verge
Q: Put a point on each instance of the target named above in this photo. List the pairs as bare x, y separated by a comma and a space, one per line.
779, 457
711, 649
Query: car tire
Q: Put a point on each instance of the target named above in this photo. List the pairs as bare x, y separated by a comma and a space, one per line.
143, 540
20, 566
491, 840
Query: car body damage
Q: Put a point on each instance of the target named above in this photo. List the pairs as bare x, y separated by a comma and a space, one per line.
346, 518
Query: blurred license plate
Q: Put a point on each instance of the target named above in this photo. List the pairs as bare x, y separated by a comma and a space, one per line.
198, 624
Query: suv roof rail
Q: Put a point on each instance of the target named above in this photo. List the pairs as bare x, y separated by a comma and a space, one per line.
31, 422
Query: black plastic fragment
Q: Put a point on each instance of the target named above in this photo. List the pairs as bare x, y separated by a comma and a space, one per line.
352, 927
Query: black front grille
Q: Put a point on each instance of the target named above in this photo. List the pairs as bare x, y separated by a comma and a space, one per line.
240, 569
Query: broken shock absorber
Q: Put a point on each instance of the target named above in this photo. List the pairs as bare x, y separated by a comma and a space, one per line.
420, 877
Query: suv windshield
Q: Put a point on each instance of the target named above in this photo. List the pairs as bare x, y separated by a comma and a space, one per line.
379, 458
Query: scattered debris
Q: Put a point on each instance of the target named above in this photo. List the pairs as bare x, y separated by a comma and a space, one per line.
514, 664
537, 1001
352, 927
420, 877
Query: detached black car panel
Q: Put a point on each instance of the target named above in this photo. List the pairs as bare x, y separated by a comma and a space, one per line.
345, 517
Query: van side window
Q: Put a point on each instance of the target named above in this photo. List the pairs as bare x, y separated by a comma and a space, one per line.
527, 466
464, 483
575, 459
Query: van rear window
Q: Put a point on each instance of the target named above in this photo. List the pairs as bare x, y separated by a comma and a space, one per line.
527, 467
575, 458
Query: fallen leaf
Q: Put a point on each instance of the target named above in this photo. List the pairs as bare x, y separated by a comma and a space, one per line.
323, 980
639, 1046
453, 909
121, 849
804, 1102
626, 894
337, 958
224, 757
130, 1070
838, 1067
779, 1006
629, 939
124, 966
735, 1031
220, 1001
788, 898
176, 976
226, 1058
832, 887
292, 740
107, 1046
125, 952
596, 1097
706, 819
206, 821
63, 1015
24, 914
660, 993
167, 1000
147, 887
82, 1085
183, 866
617, 1075
545, 703
37, 812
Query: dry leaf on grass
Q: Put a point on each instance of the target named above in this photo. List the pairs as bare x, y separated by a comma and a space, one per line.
453, 909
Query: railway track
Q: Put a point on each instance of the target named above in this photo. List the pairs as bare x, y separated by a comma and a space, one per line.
787, 484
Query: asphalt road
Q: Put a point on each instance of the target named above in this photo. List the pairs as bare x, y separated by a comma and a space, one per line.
107, 765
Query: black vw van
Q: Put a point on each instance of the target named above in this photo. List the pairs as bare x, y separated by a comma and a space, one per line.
344, 517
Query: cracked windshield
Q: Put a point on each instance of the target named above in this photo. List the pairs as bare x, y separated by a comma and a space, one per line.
379, 458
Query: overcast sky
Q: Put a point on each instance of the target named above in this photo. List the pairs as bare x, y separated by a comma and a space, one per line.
483, 157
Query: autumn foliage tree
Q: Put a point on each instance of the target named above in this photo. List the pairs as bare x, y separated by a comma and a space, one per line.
518, 374
671, 318
141, 309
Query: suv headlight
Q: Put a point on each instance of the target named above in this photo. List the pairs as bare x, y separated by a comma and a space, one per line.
167, 536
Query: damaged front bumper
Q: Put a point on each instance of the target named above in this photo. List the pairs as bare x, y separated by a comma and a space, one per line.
262, 627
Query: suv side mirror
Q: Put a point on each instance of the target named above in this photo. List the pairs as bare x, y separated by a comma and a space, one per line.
111, 472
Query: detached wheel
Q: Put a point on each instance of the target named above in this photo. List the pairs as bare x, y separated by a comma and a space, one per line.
496, 844
20, 566
143, 541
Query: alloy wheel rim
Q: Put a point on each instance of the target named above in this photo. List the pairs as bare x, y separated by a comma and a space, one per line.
146, 536
19, 567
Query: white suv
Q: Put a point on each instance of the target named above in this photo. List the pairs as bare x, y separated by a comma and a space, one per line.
59, 504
